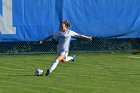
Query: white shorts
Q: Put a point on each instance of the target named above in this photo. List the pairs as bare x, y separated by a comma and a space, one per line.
64, 53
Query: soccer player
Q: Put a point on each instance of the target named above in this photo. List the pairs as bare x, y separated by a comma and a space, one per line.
64, 37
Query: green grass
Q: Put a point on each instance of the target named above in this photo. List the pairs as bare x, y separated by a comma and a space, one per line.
104, 73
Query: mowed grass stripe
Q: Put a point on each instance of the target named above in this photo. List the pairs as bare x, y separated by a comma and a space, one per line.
88, 74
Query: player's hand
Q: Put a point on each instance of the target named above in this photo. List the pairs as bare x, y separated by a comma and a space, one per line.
40, 42
90, 38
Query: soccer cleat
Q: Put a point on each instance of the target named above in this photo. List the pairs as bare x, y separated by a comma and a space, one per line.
48, 72
74, 57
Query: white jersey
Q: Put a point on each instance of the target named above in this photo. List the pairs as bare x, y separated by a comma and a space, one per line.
64, 39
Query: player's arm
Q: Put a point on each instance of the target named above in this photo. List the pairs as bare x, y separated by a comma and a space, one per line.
83, 36
47, 38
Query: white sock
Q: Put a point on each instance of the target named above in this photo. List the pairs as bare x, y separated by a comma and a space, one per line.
68, 58
54, 65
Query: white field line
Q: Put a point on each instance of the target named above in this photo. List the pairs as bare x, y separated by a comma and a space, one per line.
134, 57
10, 68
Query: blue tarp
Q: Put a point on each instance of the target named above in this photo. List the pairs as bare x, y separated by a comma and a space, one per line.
36, 19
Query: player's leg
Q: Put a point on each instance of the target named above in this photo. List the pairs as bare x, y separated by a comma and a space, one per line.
58, 59
54, 65
68, 58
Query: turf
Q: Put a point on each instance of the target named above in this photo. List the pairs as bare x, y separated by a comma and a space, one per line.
104, 73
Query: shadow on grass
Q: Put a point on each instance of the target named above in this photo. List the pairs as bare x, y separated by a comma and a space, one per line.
22, 75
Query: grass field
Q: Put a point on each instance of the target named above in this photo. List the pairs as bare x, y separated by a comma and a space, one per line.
104, 73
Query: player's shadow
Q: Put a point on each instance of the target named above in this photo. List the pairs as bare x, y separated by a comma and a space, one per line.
22, 75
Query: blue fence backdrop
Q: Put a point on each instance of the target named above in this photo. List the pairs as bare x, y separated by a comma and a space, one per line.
36, 19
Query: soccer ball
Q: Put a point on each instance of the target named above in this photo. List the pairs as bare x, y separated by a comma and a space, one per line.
39, 72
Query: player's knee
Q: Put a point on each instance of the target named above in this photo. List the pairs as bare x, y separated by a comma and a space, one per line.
60, 58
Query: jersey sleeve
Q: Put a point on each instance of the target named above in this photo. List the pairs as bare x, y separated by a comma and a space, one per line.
56, 34
72, 33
